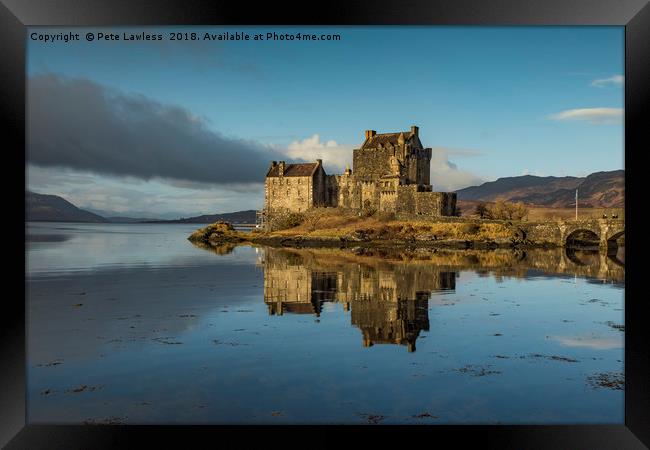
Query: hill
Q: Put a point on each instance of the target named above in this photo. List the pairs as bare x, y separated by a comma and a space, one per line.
247, 217
597, 190
52, 208
122, 219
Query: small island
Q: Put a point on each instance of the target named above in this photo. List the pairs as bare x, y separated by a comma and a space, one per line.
387, 200
327, 227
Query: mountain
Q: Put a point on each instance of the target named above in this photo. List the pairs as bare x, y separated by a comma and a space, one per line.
132, 215
247, 216
598, 190
506, 188
52, 208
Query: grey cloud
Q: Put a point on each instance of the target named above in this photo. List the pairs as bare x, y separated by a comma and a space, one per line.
79, 124
233, 187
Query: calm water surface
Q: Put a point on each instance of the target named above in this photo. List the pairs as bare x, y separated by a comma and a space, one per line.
133, 324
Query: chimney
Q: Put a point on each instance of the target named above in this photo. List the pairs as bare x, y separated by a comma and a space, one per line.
370, 133
414, 130
281, 169
319, 162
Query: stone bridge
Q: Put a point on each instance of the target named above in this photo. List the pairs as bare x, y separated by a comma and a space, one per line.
606, 231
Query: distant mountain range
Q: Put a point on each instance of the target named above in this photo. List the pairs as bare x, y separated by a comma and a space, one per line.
597, 190
132, 216
247, 216
52, 208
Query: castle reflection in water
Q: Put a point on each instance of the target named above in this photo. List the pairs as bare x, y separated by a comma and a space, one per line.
388, 294
387, 301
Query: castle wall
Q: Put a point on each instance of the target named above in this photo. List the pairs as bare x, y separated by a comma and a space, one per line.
319, 187
349, 192
435, 203
372, 163
412, 170
301, 193
332, 183
355, 194
369, 194
388, 201
289, 193
412, 199
406, 199
423, 165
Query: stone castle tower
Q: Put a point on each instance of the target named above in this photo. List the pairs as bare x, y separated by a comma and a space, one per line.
390, 172
393, 155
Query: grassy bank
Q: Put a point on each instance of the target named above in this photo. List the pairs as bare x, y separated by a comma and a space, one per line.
334, 227
333, 223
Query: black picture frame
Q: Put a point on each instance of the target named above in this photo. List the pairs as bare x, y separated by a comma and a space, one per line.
16, 15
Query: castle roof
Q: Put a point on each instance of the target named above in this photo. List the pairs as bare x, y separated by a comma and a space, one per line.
294, 170
385, 138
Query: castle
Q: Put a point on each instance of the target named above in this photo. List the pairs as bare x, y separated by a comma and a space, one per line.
390, 172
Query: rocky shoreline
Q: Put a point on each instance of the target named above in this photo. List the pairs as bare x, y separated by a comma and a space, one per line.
223, 233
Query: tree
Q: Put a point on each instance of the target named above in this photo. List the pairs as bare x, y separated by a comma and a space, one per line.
482, 210
518, 211
502, 210
499, 210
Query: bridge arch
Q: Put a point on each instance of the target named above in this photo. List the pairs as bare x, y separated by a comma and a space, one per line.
582, 237
601, 232
616, 235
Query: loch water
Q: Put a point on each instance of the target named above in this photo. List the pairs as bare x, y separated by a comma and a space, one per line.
131, 323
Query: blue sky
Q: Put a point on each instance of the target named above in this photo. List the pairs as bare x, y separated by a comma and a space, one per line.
491, 101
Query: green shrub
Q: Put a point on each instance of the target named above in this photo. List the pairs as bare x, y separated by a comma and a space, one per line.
282, 221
